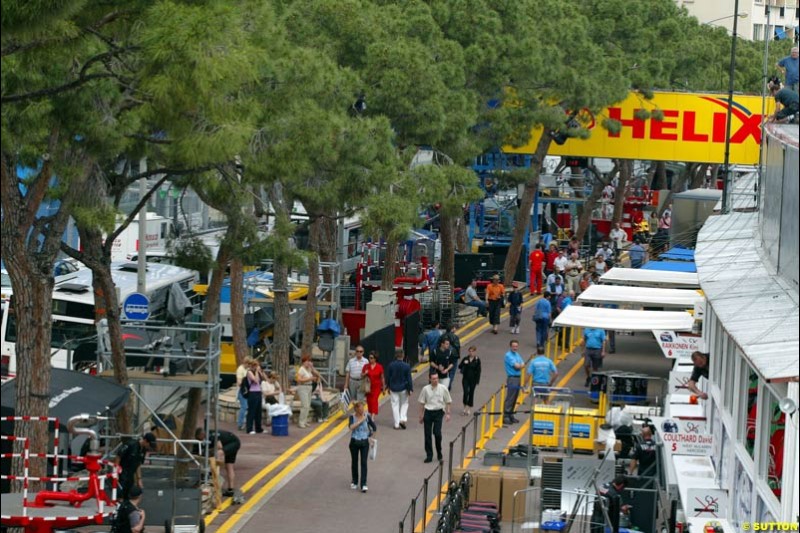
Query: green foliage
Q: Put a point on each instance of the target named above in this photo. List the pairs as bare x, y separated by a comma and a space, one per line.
191, 253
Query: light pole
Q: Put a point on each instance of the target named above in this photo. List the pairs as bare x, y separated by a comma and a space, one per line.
726, 185
739, 15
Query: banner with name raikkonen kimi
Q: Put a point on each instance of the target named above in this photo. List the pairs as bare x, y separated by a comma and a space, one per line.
692, 130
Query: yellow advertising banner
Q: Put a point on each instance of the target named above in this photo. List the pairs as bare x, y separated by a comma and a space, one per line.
693, 130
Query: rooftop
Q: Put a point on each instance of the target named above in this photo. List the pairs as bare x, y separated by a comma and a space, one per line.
755, 305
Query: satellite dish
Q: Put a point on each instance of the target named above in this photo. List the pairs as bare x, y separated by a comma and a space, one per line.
787, 405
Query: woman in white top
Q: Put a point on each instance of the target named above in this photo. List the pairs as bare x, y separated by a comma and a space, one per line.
600, 264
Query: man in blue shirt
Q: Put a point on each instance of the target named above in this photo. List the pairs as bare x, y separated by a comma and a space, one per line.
401, 385
788, 65
542, 311
514, 364
637, 254
542, 371
594, 340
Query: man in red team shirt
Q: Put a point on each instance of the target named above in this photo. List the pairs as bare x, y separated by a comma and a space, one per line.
536, 260
550, 258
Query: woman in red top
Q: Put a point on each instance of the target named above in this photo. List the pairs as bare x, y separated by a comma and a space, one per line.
550, 257
377, 382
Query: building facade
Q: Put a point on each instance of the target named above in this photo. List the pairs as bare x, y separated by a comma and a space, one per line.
747, 263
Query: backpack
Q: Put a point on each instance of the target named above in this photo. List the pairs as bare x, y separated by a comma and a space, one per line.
121, 519
244, 387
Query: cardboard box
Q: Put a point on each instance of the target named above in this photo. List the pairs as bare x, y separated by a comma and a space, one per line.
473, 488
490, 486
512, 482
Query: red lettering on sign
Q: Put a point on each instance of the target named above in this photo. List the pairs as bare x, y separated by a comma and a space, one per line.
615, 113
751, 126
689, 133
659, 128
718, 135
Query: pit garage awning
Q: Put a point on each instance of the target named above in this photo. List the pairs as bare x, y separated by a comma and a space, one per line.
624, 319
651, 278
671, 266
644, 296
678, 254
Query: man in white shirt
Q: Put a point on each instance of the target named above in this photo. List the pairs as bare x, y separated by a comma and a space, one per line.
472, 299
618, 236
561, 262
352, 374
434, 405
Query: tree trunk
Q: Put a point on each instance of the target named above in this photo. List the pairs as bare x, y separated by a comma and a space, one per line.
660, 181
280, 340
97, 257
237, 311
210, 316
29, 262
699, 176
585, 217
462, 235
107, 306
677, 186
33, 306
447, 236
625, 175
524, 214
390, 267
310, 317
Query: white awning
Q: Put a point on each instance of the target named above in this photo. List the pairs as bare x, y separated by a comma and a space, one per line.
624, 319
651, 278
645, 296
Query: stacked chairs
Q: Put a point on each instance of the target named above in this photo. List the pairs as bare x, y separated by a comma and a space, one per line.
458, 514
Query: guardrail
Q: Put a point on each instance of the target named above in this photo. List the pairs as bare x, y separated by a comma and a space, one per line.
483, 426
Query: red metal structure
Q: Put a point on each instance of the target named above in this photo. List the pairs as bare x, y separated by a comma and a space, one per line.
50, 510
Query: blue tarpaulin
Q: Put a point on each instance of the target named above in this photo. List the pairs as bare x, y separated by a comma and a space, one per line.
671, 266
678, 254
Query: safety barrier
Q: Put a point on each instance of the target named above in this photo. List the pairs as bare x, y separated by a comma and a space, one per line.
562, 343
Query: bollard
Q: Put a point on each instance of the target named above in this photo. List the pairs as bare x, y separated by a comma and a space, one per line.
450, 464
439, 494
474, 433
461, 457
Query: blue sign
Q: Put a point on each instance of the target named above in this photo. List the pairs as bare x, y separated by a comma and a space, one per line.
136, 307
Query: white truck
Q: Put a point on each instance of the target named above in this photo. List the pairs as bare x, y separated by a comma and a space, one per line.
158, 230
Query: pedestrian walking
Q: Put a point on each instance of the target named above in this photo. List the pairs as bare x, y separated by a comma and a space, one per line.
434, 406
542, 314
455, 353
494, 299
515, 309
129, 516
241, 374
401, 385
470, 368
352, 374
377, 382
226, 445
362, 427
594, 340
130, 458
255, 375
514, 363
442, 361
430, 340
